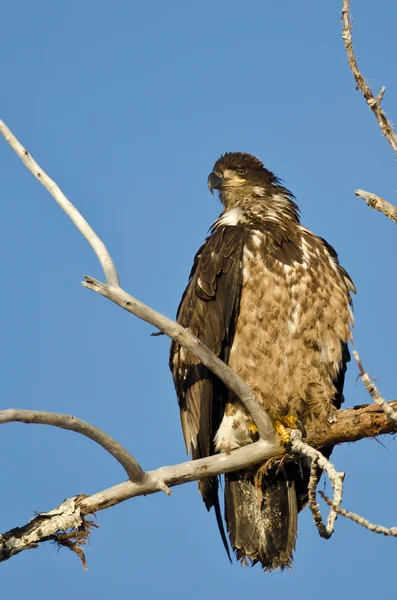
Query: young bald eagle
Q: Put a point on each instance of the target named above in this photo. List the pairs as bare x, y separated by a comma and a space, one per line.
270, 299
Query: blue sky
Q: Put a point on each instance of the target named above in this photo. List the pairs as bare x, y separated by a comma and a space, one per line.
127, 106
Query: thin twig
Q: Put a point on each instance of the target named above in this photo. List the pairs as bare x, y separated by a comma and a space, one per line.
373, 103
390, 531
98, 246
373, 391
19, 415
378, 203
315, 472
336, 478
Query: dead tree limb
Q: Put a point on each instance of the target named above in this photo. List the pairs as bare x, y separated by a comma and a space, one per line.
319, 462
373, 391
96, 243
389, 531
127, 461
351, 425
377, 203
373, 102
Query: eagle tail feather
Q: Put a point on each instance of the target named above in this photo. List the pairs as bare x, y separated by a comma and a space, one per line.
261, 514
219, 520
209, 490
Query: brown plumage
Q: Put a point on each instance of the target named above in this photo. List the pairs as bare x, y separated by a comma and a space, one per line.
269, 298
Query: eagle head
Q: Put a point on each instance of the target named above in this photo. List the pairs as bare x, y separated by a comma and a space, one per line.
235, 174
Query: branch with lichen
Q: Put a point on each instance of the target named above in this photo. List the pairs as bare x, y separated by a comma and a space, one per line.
320, 463
373, 102
380, 204
389, 531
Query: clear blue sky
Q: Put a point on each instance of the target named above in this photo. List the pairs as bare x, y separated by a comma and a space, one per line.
127, 105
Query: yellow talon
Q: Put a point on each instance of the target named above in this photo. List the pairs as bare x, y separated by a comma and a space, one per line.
282, 432
253, 432
291, 422
288, 421
253, 429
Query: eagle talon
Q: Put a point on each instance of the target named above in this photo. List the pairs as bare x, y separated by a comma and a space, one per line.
290, 422
253, 432
282, 432
301, 427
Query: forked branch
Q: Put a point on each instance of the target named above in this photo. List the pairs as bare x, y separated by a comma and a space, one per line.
372, 200
350, 425
373, 102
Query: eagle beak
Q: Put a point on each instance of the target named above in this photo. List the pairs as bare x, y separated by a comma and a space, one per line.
214, 182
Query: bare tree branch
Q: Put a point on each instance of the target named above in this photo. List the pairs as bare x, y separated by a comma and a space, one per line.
320, 462
373, 391
350, 425
19, 415
391, 531
50, 185
378, 203
373, 103
69, 517
50, 526
315, 474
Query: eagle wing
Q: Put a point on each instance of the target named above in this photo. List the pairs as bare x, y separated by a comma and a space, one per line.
208, 309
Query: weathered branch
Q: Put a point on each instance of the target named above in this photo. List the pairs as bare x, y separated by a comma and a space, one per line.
373, 391
19, 415
98, 246
390, 531
351, 425
373, 103
378, 203
51, 526
320, 463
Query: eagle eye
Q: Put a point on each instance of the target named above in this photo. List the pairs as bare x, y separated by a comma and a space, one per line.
241, 171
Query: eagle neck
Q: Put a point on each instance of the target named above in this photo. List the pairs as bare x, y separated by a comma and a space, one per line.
257, 211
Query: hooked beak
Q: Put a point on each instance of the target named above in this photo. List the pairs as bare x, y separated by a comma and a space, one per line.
214, 182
